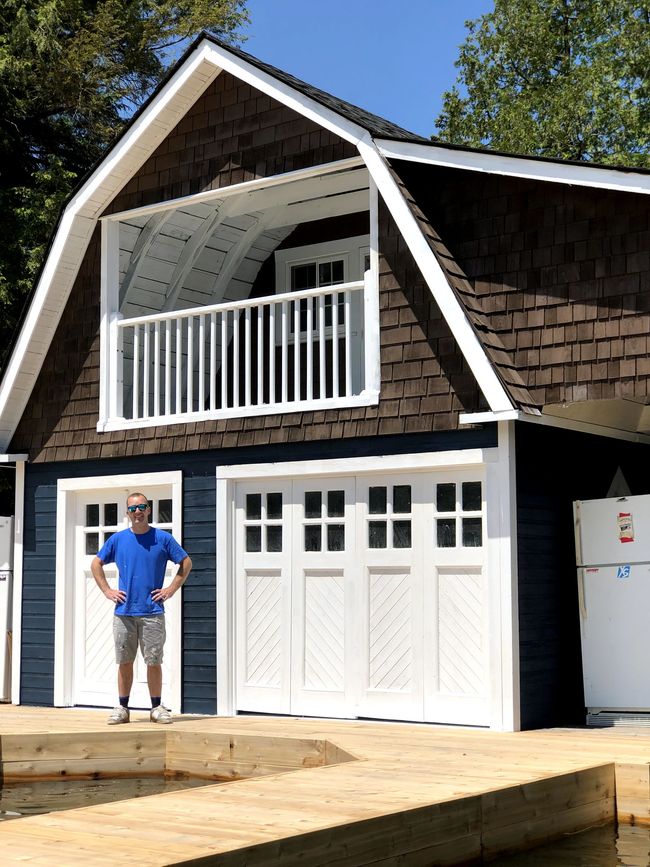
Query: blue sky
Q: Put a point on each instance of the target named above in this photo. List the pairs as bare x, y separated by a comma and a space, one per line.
393, 58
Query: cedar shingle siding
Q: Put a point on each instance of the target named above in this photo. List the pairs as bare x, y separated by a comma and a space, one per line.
562, 274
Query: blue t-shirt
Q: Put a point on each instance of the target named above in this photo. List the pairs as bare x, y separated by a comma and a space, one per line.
141, 560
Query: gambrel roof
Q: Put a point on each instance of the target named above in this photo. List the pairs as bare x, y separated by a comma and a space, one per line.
380, 145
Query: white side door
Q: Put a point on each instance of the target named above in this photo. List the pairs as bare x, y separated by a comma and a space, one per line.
263, 597
324, 571
99, 514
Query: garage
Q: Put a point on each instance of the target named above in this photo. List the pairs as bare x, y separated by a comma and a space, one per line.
363, 595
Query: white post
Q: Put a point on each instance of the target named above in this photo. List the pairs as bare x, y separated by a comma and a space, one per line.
235, 359
224, 360
156, 369
168, 367
247, 357
189, 396
179, 364
272, 394
296, 350
260, 355
285, 352
335, 345
213, 360
136, 372
17, 601
371, 352
201, 348
322, 371
347, 343
310, 349
145, 371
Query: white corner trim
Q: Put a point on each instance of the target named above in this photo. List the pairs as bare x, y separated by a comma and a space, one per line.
504, 650
225, 598
17, 602
424, 461
622, 180
450, 307
557, 422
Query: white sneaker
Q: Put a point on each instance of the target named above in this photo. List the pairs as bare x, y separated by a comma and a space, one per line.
118, 716
161, 715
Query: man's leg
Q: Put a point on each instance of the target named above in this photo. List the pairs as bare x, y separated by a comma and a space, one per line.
124, 679
154, 680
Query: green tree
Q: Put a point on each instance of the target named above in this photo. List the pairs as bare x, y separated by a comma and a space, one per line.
567, 79
71, 72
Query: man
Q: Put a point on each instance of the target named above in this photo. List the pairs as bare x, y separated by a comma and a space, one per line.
141, 553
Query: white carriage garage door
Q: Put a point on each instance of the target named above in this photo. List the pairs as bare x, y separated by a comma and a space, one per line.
363, 596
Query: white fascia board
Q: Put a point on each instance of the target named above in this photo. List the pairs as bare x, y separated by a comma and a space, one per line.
11, 459
555, 421
284, 93
517, 167
450, 306
419, 462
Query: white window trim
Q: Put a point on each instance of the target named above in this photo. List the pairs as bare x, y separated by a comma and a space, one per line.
348, 249
67, 489
500, 547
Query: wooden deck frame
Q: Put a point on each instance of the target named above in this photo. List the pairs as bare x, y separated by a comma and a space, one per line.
332, 793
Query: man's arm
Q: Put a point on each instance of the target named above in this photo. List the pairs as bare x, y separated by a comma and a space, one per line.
179, 579
97, 568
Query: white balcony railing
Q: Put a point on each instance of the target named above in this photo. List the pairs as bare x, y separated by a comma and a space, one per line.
281, 353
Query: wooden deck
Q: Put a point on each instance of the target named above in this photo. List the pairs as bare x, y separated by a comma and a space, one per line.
331, 792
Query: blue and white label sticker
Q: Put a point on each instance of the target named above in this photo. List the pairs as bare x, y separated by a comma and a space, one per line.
623, 572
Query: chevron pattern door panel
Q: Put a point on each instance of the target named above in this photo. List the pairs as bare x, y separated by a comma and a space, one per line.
97, 662
390, 631
324, 642
263, 630
461, 638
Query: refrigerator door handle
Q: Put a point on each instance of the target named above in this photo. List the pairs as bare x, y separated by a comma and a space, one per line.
581, 593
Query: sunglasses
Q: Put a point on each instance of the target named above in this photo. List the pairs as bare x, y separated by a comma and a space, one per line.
141, 507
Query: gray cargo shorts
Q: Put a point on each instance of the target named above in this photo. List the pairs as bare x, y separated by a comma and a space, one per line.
148, 632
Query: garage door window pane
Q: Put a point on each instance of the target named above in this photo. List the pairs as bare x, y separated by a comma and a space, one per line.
446, 498
401, 534
402, 498
274, 539
471, 496
446, 533
253, 539
313, 504
110, 514
335, 504
472, 533
253, 507
92, 543
377, 534
313, 538
377, 500
274, 506
92, 515
336, 537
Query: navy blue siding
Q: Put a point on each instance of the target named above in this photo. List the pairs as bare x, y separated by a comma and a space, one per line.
554, 468
199, 538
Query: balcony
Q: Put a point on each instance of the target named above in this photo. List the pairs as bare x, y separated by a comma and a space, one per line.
282, 353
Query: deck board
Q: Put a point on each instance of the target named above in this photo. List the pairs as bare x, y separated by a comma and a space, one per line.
421, 794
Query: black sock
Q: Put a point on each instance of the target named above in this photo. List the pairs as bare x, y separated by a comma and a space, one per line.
124, 701
155, 701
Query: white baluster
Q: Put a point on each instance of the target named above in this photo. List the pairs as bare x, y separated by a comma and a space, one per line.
322, 371
247, 357
189, 396
348, 343
201, 349
156, 369
213, 360
179, 364
145, 371
296, 350
284, 352
168, 367
224, 359
136, 372
260, 355
310, 348
271, 363
235, 359
335, 344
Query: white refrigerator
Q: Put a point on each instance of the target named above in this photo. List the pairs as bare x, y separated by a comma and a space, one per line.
613, 558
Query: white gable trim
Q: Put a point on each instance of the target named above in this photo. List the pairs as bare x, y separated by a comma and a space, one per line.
622, 180
450, 306
554, 421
